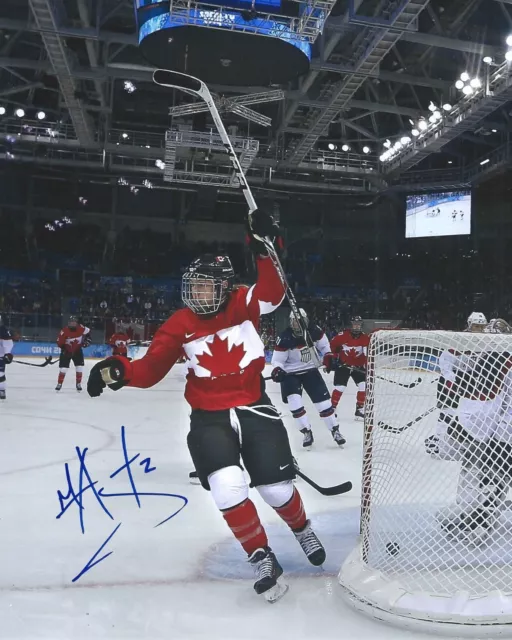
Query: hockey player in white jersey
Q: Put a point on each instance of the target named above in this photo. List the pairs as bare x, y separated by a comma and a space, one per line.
295, 370
6, 345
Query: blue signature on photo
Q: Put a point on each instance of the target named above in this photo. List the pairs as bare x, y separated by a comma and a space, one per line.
73, 496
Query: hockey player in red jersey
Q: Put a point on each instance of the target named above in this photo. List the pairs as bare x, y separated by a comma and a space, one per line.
119, 343
71, 339
232, 418
351, 346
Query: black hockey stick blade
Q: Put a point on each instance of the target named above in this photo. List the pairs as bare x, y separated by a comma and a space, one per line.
401, 384
47, 361
325, 491
392, 429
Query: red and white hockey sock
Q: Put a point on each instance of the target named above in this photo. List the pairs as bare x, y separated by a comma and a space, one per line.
360, 397
336, 397
244, 522
78, 377
292, 512
61, 377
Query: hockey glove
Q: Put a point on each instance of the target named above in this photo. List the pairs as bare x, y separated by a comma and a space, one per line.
262, 224
8, 358
331, 362
87, 340
111, 372
278, 374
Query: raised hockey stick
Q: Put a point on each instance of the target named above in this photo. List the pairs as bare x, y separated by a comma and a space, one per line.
325, 491
389, 427
47, 361
195, 87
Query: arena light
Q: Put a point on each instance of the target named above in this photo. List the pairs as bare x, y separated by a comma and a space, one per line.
508, 56
41, 115
464, 76
129, 87
475, 83
383, 157
124, 136
160, 164
387, 144
509, 41
432, 119
459, 85
20, 113
423, 125
2, 111
488, 60
331, 146
415, 132
366, 149
432, 107
405, 140
467, 90
447, 107
484, 162
345, 148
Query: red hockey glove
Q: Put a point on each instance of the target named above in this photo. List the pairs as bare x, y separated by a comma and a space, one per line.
113, 372
278, 374
331, 362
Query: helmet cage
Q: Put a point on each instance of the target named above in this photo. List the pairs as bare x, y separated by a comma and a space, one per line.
204, 305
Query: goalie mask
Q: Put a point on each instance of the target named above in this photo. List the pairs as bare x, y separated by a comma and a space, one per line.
206, 284
477, 322
356, 325
294, 324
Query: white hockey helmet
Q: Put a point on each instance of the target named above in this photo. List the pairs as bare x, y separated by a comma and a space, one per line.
296, 328
477, 319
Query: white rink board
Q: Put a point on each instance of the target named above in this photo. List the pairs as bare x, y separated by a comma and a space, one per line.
184, 580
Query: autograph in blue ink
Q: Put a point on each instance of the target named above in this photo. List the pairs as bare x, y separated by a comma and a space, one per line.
74, 496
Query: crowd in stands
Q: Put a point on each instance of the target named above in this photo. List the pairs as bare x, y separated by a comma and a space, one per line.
76, 260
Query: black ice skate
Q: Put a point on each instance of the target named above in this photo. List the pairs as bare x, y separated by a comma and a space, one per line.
470, 528
359, 414
310, 544
337, 437
78, 387
3, 395
308, 438
193, 477
268, 570
58, 387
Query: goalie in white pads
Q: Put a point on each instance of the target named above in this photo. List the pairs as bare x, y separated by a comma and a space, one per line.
477, 435
295, 370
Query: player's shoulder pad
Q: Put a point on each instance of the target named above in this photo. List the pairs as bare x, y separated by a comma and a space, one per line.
286, 339
315, 332
5, 334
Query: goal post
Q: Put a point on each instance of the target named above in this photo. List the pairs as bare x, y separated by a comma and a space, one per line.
435, 545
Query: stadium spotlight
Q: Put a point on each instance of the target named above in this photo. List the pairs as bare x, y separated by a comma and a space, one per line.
331, 146
124, 136
459, 85
464, 76
415, 133
129, 87
508, 56
509, 41
484, 162
447, 106
475, 83
488, 60
41, 115
422, 125
387, 144
405, 140
432, 107
2, 111
345, 147
366, 149
468, 90
20, 113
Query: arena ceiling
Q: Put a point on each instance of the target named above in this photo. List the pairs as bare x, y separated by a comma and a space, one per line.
370, 82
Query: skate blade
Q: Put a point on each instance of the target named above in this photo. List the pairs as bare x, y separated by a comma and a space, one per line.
194, 481
276, 593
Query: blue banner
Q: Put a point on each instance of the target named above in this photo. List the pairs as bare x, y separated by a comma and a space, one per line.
45, 349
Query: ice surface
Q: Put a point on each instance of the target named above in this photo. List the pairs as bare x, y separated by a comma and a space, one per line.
186, 579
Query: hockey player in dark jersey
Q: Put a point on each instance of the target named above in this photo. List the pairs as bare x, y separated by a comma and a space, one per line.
295, 370
232, 419
6, 345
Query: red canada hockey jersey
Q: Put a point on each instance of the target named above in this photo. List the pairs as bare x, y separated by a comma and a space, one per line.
352, 350
72, 341
225, 354
119, 343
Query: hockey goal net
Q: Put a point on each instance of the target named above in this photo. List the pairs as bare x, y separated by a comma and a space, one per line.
435, 546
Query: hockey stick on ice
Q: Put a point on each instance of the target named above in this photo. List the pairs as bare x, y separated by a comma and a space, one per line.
405, 386
195, 87
325, 491
47, 361
392, 429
